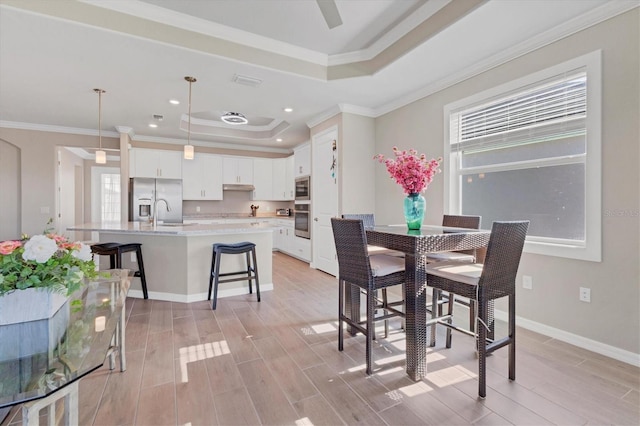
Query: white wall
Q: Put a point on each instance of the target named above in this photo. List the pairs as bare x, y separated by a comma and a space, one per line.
611, 321
358, 141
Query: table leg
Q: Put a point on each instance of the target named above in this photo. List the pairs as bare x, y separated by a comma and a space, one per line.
121, 333
416, 316
31, 410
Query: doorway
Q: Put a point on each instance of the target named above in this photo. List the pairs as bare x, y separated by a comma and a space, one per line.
324, 183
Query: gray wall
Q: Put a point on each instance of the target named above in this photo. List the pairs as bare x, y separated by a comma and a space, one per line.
612, 317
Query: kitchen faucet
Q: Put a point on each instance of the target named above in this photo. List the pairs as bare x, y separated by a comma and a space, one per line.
154, 218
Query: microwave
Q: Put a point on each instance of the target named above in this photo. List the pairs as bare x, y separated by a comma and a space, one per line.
303, 188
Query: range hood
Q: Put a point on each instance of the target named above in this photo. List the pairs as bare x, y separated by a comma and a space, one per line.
237, 187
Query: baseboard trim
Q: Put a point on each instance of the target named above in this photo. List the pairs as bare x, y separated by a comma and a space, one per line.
574, 339
198, 297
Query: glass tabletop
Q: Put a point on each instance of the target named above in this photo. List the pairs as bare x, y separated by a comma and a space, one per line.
39, 357
425, 230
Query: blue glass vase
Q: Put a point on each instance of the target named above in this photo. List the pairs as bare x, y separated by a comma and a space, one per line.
414, 210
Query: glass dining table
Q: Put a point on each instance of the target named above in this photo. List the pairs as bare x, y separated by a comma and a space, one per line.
416, 244
43, 361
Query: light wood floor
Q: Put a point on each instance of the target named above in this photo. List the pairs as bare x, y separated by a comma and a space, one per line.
277, 362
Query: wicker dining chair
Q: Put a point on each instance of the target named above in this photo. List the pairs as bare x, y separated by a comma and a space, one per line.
366, 272
483, 283
369, 221
468, 256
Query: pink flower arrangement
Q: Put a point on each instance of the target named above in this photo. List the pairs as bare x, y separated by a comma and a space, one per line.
412, 171
47, 261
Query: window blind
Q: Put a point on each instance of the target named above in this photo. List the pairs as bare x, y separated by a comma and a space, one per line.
560, 105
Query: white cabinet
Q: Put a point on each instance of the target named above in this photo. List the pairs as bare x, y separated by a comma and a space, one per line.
283, 181
301, 248
284, 240
155, 163
290, 180
202, 177
262, 179
283, 235
237, 170
302, 163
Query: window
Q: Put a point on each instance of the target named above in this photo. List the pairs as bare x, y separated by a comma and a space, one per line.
530, 149
110, 197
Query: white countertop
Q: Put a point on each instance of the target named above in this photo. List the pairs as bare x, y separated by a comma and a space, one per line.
144, 228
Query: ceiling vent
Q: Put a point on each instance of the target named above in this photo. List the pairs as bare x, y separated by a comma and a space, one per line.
246, 81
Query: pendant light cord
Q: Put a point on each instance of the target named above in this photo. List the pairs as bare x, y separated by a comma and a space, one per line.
189, 127
191, 80
99, 92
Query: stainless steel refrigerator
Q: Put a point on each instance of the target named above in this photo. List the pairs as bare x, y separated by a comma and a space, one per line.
145, 194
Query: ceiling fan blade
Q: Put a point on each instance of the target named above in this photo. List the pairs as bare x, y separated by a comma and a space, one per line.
330, 12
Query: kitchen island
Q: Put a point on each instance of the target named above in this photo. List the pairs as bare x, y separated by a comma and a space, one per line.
177, 258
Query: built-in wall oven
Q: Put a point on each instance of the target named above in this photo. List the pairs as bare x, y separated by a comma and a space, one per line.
303, 188
302, 220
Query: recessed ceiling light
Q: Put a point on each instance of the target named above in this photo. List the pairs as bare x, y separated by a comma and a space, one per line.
279, 140
174, 102
234, 118
153, 125
288, 110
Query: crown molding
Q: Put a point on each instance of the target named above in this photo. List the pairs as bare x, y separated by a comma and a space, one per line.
91, 132
223, 145
275, 122
388, 39
126, 130
212, 29
355, 109
55, 129
586, 20
323, 116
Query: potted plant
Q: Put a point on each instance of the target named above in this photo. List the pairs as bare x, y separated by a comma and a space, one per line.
39, 273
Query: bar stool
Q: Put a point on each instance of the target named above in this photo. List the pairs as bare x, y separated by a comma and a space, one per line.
252, 269
115, 251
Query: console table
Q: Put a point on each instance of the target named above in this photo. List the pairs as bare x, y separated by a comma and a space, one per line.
42, 361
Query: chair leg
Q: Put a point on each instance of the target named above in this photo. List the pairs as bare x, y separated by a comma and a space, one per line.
482, 350
213, 266
472, 316
353, 305
385, 301
370, 329
435, 298
512, 337
450, 319
215, 281
341, 296
143, 278
255, 273
249, 272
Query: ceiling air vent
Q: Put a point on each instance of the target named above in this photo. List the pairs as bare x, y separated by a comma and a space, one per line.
247, 81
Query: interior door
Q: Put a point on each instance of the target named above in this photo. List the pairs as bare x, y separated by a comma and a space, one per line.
324, 193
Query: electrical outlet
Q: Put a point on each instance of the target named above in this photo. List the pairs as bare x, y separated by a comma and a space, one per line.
197, 209
133, 257
585, 294
44, 210
527, 282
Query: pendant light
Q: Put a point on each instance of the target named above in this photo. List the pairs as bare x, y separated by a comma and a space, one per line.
188, 148
101, 156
